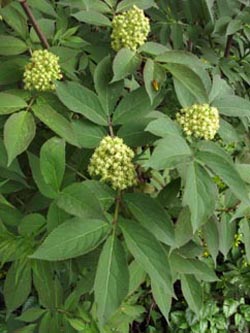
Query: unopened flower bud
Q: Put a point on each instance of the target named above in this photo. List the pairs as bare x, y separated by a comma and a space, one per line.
41, 72
117, 167
199, 120
130, 29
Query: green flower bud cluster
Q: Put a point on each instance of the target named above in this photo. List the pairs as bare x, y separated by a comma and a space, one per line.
229, 148
130, 29
218, 181
41, 72
199, 120
238, 239
112, 162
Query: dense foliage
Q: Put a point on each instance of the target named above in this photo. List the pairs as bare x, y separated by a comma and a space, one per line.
125, 166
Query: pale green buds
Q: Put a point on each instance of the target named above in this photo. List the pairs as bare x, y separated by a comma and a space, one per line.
199, 120
41, 72
130, 29
112, 163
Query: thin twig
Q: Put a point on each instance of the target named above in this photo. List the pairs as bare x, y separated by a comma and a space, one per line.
230, 37
150, 312
34, 23
77, 172
30, 103
117, 207
111, 132
228, 46
189, 45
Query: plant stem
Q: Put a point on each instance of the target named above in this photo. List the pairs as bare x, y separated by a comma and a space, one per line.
34, 23
77, 172
228, 46
230, 37
117, 207
111, 131
30, 103
162, 185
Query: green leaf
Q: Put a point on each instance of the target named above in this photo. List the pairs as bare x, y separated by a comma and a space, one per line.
77, 323
45, 284
88, 134
148, 252
92, 17
183, 265
31, 224
11, 45
104, 193
43, 6
163, 127
153, 48
27, 329
112, 279
14, 167
234, 26
56, 122
31, 315
127, 4
152, 216
15, 20
77, 199
48, 28
227, 230
221, 164
199, 195
10, 215
111, 3
227, 132
124, 64
192, 292
108, 93
44, 188
97, 5
52, 162
49, 323
191, 249
11, 70
152, 72
245, 228
19, 131
17, 285
72, 239
177, 35
184, 96
10, 103
137, 276
133, 133
230, 307
219, 88
162, 298
190, 80
81, 100
55, 216
232, 106
183, 228
166, 155
211, 236
134, 105
244, 171
69, 58
208, 5
189, 60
